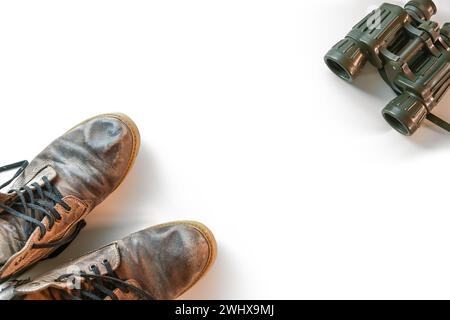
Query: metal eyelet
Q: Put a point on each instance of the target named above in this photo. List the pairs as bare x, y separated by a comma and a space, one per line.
92, 267
105, 261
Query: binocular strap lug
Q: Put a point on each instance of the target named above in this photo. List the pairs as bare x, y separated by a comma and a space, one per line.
439, 122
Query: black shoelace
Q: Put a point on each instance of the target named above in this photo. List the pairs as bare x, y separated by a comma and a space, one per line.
98, 287
34, 203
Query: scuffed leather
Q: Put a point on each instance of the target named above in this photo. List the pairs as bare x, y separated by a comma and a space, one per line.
88, 163
90, 160
164, 261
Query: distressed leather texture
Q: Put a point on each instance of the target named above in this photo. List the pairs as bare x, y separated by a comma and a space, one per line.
165, 261
90, 160
86, 164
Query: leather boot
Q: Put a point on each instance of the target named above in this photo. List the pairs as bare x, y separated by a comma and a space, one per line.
45, 208
161, 262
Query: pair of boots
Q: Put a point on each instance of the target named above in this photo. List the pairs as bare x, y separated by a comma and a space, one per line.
45, 209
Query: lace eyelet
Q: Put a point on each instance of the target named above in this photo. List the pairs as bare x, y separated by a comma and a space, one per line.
92, 267
105, 261
61, 279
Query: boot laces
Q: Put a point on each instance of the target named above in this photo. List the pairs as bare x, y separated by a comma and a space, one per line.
98, 287
33, 203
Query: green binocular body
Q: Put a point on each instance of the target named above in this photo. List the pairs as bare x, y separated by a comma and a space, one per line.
412, 54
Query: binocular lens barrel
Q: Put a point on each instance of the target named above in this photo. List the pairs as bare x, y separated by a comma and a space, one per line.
346, 59
405, 113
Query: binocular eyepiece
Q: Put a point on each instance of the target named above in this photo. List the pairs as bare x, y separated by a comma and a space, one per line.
411, 53
405, 113
346, 59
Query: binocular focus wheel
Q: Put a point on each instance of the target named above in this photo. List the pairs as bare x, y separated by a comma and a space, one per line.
422, 9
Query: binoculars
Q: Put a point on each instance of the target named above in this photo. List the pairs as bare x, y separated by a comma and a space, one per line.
412, 54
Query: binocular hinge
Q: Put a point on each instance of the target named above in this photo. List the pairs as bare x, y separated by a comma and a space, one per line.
439, 122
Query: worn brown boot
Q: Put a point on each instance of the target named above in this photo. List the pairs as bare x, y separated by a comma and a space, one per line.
161, 262
50, 198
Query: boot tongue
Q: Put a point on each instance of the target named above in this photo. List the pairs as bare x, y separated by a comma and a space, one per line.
12, 229
37, 177
9, 233
11, 240
47, 172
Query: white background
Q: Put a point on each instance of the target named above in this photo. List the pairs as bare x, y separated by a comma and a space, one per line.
309, 192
